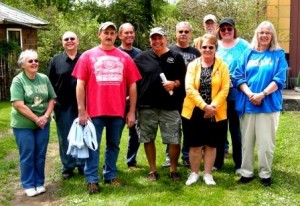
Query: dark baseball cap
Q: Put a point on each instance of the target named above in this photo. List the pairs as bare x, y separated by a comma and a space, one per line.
227, 20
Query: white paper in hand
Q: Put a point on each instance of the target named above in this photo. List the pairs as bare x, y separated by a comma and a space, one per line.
164, 79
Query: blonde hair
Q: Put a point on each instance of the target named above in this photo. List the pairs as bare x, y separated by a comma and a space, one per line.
211, 38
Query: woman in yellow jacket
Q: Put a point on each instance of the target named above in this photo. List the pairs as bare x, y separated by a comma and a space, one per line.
204, 108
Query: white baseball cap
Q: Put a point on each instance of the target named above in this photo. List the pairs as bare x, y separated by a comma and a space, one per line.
210, 17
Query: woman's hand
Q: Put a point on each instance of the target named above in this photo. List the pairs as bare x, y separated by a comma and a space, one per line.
210, 111
256, 98
42, 121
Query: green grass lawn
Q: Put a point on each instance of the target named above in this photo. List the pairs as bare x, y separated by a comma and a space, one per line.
136, 190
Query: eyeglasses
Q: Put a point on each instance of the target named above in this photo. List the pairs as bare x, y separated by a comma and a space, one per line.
265, 32
209, 47
183, 31
71, 39
228, 29
33, 60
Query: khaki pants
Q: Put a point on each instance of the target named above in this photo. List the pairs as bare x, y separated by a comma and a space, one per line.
260, 129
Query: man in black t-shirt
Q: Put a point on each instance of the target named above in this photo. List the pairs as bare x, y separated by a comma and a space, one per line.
159, 102
183, 35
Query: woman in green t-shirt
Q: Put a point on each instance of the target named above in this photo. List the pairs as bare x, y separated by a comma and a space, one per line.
32, 98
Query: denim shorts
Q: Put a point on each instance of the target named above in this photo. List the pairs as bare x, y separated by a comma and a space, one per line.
169, 123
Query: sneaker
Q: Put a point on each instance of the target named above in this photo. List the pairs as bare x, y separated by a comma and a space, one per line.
193, 178
174, 176
208, 179
167, 163
115, 182
245, 180
30, 192
267, 182
238, 172
93, 188
153, 176
40, 189
186, 163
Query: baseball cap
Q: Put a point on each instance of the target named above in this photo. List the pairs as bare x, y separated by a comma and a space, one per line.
158, 30
107, 24
210, 17
227, 20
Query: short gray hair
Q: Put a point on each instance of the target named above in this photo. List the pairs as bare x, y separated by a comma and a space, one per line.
25, 54
184, 23
125, 25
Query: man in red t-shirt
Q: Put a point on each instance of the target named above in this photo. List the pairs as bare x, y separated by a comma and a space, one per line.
104, 75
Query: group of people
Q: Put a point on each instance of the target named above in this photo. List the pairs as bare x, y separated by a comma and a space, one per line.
197, 91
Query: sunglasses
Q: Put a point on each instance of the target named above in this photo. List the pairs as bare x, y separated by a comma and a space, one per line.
183, 32
228, 29
33, 60
209, 47
71, 39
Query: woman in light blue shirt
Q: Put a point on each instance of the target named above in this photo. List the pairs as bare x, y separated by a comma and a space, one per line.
230, 48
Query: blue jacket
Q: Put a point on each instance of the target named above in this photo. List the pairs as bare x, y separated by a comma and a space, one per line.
258, 70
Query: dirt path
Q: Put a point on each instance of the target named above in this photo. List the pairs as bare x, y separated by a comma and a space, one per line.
48, 198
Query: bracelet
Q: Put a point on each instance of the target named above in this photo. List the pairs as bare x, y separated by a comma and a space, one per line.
46, 116
265, 93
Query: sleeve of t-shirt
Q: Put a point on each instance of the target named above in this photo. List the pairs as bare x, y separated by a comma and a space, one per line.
81, 70
16, 90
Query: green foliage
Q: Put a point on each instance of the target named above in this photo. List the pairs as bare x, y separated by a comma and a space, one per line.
61, 5
4, 116
246, 13
7, 48
140, 13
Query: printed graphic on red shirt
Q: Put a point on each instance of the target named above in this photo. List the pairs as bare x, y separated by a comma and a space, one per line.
108, 70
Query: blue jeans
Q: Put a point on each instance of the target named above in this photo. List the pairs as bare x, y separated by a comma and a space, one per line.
114, 127
64, 119
133, 147
32, 144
